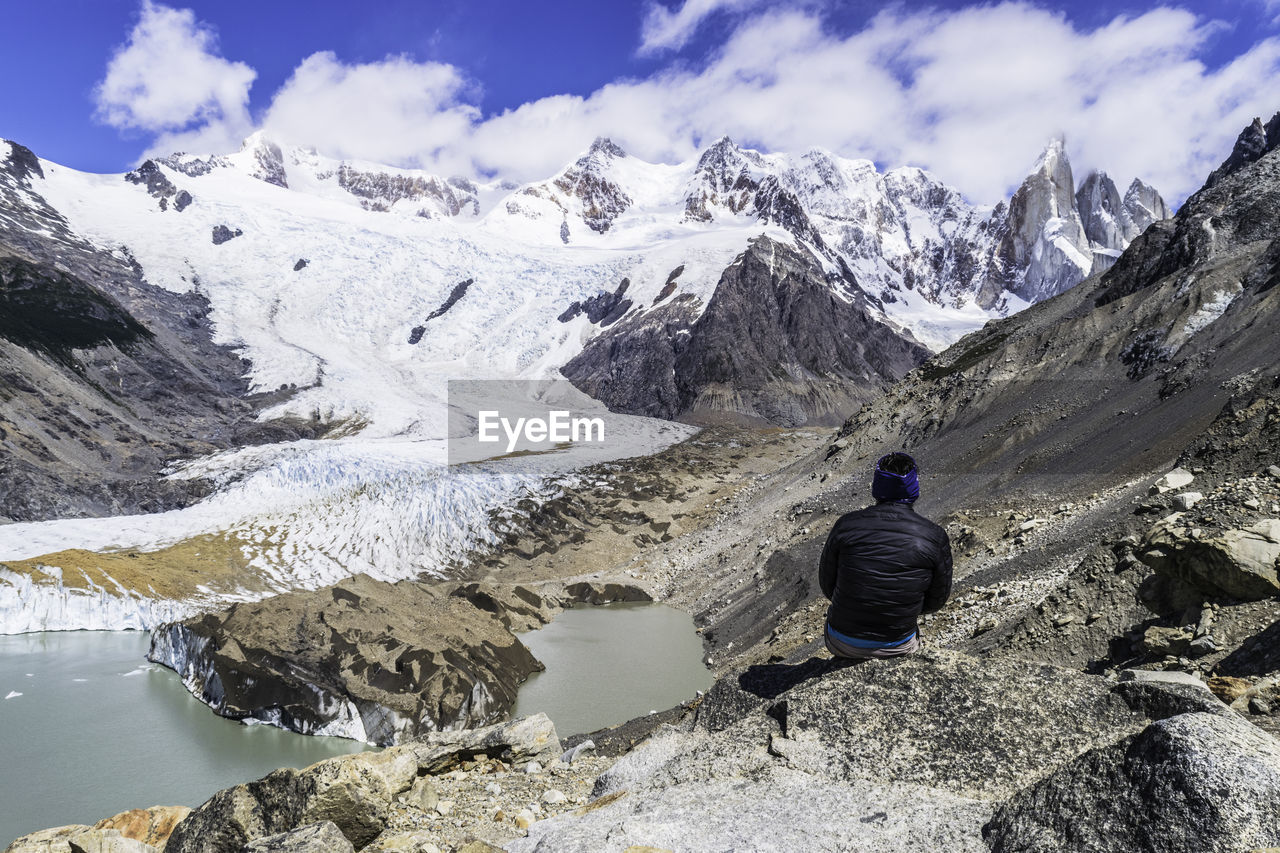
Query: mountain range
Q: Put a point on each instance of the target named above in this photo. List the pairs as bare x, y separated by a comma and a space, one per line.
276, 293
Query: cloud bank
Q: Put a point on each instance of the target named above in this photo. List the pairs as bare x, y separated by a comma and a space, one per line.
972, 95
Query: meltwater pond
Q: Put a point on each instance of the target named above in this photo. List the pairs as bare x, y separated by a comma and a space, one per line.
90, 728
608, 664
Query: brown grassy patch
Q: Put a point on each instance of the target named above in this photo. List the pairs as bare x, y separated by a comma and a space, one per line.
214, 560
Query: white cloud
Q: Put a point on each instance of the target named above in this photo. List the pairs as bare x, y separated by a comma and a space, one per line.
168, 78
393, 111
971, 94
664, 29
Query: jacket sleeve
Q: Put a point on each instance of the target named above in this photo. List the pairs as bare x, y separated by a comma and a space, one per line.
940, 586
828, 564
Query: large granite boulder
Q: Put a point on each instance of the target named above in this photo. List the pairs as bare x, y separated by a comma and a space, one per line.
353, 793
78, 839
1237, 563
322, 837
1202, 782
915, 753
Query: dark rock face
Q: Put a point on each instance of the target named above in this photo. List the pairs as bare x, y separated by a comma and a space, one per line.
1253, 142
222, 234
603, 309
159, 186
54, 313
104, 378
723, 178
365, 659
300, 265
22, 165
459, 291
381, 190
776, 343
1191, 782
269, 160
1239, 205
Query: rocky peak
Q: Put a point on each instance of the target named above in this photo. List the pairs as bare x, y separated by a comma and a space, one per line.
723, 177
1143, 205
381, 190
268, 160
19, 161
1045, 233
1102, 211
1253, 142
588, 180
605, 147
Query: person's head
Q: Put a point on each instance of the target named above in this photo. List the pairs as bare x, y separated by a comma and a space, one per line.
896, 479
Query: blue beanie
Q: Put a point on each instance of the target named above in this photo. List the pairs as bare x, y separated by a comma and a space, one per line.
899, 488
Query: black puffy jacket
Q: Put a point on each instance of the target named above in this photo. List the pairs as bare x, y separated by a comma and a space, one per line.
882, 566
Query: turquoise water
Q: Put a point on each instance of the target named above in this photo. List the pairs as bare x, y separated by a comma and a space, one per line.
609, 664
98, 730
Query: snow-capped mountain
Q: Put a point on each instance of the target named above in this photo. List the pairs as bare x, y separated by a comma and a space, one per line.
307, 292
363, 286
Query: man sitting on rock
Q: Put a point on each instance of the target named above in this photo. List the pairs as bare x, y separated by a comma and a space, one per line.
883, 566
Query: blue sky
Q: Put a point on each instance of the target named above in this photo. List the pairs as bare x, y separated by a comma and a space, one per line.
515, 89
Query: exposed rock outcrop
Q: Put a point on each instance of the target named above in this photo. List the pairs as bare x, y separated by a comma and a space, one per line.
1205, 782
366, 659
354, 792
1232, 563
383, 190
778, 342
878, 756
1046, 236
158, 185
322, 837
104, 378
588, 183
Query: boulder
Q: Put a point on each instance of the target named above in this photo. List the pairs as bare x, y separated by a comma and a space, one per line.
1199, 782
353, 795
1165, 641
322, 837
1178, 478
878, 756
233, 817
350, 791
1186, 500
151, 826
78, 838
1237, 563
523, 740
353, 792
1167, 693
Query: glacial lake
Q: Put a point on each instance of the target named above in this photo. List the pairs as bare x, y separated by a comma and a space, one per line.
608, 664
98, 729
